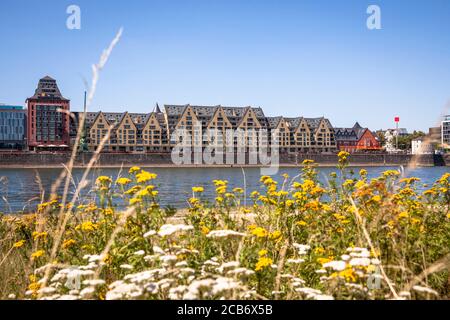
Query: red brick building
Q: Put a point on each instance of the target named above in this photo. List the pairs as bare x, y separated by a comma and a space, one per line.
48, 118
356, 139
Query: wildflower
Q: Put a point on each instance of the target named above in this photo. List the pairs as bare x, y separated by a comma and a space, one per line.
68, 243
19, 244
169, 229
363, 172
302, 223
319, 250
259, 232
134, 169
224, 234
262, 263
391, 173
220, 183
103, 180
134, 201
262, 252
307, 162
254, 194
123, 181
205, 230
88, 226
348, 183
238, 190
221, 189
145, 176
403, 214
37, 235
197, 189
335, 265
275, 235
37, 254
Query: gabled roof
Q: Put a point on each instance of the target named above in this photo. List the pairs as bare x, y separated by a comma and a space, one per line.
273, 122
47, 89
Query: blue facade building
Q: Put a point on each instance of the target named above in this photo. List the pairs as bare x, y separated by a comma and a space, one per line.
12, 127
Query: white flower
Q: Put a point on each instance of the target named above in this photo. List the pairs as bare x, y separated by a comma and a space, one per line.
295, 261
364, 262
122, 290
335, 265
94, 282
140, 253
11, 296
302, 248
86, 292
149, 233
169, 229
126, 266
224, 234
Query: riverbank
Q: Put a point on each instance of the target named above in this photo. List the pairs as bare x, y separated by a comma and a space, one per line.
164, 160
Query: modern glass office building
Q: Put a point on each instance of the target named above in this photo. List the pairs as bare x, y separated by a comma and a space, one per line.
12, 127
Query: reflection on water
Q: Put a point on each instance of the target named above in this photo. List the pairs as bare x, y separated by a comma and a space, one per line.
20, 189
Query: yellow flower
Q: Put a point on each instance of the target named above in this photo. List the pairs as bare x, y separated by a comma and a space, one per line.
133, 190
221, 189
275, 235
123, 181
262, 263
219, 199
403, 214
254, 194
260, 232
67, 243
103, 180
220, 183
319, 250
37, 235
134, 201
205, 230
134, 169
262, 252
88, 226
19, 244
37, 254
238, 190
348, 183
302, 223
198, 189
363, 172
307, 162
360, 184
389, 173
145, 176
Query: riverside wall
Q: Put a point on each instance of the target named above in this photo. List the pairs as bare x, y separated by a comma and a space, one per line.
164, 159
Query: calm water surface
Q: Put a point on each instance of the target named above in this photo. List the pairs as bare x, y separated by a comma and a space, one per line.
20, 191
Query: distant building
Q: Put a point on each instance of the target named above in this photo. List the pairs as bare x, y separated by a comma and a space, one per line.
12, 127
445, 132
422, 145
151, 132
434, 134
48, 117
356, 139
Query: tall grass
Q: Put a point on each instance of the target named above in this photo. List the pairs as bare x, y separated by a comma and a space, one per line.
356, 238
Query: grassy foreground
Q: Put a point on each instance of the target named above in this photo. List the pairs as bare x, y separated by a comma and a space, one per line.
353, 238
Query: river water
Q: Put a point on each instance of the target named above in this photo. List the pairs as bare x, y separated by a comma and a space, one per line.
20, 190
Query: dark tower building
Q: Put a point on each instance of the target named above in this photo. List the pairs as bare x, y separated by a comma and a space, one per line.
48, 117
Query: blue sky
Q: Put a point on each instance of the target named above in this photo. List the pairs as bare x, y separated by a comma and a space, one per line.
292, 58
